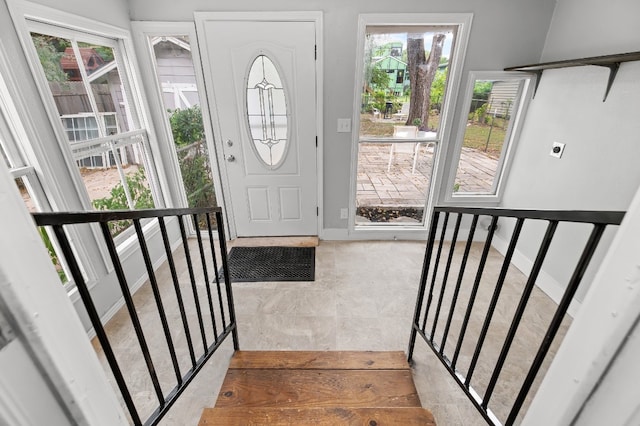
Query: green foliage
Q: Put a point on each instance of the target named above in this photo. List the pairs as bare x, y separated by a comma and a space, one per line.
106, 53
379, 79
482, 89
49, 58
480, 114
117, 200
437, 89
188, 135
52, 254
186, 125
196, 176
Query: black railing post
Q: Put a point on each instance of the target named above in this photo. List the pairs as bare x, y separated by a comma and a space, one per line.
563, 306
94, 317
598, 219
192, 278
456, 291
156, 294
103, 218
217, 275
207, 283
227, 279
445, 222
494, 299
128, 300
423, 284
511, 334
474, 290
176, 287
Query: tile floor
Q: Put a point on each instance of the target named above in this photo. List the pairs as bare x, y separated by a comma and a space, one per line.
362, 299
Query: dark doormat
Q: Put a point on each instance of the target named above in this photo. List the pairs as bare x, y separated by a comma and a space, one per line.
251, 264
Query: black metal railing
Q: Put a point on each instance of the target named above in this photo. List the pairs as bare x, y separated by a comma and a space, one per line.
219, 314
432, 311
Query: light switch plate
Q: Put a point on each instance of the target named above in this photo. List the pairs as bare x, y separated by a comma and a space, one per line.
344, 125
557, 149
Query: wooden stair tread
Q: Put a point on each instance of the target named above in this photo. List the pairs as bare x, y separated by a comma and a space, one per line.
411, 416
338, 360
323, 388
318, 388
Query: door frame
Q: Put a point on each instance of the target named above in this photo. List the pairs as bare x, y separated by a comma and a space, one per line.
289, 16
463, 22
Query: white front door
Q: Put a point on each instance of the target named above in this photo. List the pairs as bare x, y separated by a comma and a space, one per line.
262, 77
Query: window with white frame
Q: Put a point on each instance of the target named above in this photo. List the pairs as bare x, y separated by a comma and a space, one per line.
88, 80
495, 103
409, 66
25, 176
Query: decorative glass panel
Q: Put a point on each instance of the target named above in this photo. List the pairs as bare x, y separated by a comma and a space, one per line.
267, 111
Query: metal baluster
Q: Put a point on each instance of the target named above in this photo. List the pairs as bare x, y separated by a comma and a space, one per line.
122, 280
206, 276
494, 299
572, 287
176, 286
456, 291
443, 288
217, 275
535, 270
423, 284
474, 290
158, 298
85, 295
227, 280
435, 272
196, 300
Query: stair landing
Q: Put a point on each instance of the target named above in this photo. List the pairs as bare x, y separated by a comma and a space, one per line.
320, 388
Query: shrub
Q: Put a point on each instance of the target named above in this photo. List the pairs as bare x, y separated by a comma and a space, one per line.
117, 200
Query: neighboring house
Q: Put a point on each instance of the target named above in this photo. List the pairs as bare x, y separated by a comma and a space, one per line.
175, 72
90, 58
396, 71
500, 99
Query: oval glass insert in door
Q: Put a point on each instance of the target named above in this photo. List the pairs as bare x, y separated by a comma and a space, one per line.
267, 112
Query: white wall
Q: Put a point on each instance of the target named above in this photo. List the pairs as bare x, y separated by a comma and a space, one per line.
51, 364
503, 33
599, 168
114, 12
52, 169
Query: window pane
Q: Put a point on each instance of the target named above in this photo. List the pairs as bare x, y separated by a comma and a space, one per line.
91, 100
404, 84
177, 78
267, 111
393, 182
405, 79
488, 129
46, 240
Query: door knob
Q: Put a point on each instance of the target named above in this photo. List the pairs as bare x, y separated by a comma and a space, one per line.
231, 158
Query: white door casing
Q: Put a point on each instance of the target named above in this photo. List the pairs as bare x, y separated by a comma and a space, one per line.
264, 199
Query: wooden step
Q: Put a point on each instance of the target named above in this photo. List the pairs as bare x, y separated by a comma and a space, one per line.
318, 388
313, 360
410, 416
325, 388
